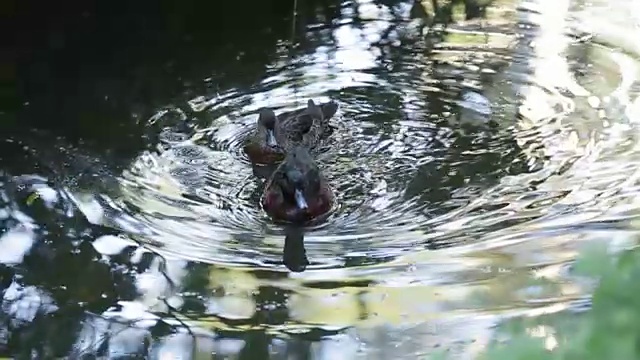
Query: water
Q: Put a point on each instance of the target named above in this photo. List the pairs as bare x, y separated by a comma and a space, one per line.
470, 166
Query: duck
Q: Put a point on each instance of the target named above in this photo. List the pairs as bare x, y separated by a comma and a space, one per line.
261, 146
297, 191
275, 134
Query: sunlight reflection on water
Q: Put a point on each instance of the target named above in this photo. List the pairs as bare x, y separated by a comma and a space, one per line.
438, 233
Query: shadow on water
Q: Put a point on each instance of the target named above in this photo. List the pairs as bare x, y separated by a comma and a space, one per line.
475, 148
294, 255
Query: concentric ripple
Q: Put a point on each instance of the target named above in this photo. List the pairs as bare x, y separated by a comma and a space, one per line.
458, 146
391, 174
469, 164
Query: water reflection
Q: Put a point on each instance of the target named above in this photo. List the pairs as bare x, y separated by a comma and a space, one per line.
469, 165
396, 127
294, 254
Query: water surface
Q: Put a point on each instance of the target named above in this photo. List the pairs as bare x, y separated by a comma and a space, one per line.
470, 163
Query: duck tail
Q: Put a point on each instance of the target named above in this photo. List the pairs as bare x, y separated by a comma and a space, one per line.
329, 109
314, 110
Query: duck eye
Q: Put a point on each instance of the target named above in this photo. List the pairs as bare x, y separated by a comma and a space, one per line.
295, 177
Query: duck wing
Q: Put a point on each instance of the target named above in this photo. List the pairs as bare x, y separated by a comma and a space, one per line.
305, 126
293, 129
313, 123
301, 124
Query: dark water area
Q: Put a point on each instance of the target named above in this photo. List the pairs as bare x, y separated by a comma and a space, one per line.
99, 69
476, 146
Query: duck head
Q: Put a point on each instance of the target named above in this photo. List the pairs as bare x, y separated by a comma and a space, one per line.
297, 190
299, 179
267, 120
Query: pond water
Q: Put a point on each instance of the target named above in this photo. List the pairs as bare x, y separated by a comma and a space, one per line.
470, 164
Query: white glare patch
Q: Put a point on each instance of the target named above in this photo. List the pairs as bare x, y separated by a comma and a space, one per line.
48, 195
111, 245
476, 102
230, 346
133, 311
22, 304
174, 346
90, 207
14, 245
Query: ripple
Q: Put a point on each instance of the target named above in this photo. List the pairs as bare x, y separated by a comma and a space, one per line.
395, 162
470, 165
493, 147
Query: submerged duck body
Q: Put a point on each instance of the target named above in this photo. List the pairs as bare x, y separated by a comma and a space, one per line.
297, 191
275, 135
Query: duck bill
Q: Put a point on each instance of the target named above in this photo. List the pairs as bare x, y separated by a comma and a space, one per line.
271, 138
300, 201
